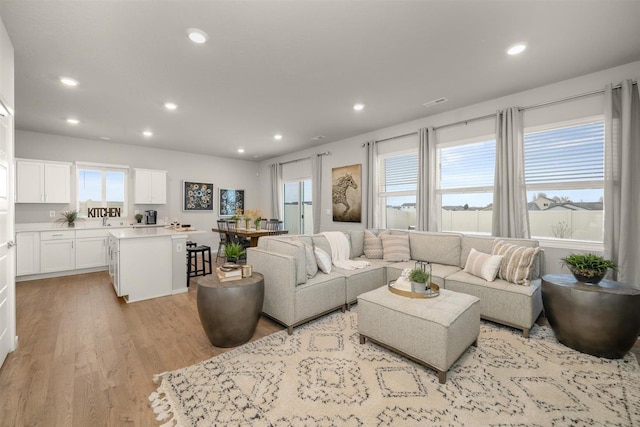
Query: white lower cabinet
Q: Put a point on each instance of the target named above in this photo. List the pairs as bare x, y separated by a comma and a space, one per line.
91, 248
57, 251
28, 253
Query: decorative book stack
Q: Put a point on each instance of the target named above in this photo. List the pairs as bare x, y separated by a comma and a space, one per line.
229, 275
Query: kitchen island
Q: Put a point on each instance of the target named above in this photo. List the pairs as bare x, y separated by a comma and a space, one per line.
148, 263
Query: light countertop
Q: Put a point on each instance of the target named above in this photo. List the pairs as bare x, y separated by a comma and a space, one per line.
136, 233
50, 226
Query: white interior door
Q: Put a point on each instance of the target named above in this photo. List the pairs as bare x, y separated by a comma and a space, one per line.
7, 265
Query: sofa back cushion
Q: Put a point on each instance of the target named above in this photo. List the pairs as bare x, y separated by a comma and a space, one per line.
441, 248
309, 258
291, 248
357, 243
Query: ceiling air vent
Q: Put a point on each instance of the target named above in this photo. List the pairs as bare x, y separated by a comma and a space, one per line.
435, 102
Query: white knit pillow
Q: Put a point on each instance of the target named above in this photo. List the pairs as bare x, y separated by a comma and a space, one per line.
395, 247
323, 259
483, 265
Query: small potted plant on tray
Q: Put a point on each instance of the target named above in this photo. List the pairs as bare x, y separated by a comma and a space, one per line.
419, 279
588, 268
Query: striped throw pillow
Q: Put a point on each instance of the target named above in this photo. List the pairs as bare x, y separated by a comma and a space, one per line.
483, 265
395, 247
518, 262
373, 244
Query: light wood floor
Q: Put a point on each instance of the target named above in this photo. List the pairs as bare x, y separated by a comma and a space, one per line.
86, 358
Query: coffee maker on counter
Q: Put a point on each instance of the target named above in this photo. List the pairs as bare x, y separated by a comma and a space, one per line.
150, 217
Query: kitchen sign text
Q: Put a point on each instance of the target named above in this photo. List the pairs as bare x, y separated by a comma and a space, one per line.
102, 212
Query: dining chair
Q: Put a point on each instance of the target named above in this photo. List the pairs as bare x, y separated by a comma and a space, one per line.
224, 238
234, 238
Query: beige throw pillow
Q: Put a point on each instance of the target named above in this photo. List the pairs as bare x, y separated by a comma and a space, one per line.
483, 265
518, 262
395, 248
373, 244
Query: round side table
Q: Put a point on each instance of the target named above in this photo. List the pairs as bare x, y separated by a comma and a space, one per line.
602, 320
229, 311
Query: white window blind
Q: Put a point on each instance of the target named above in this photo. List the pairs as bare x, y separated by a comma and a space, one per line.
398, 173
468, 165
569, 154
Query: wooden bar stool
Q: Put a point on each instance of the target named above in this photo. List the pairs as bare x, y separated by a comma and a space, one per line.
198, 256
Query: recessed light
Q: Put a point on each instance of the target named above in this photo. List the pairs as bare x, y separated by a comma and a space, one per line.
240, 150
197, 36
73, 121
318, 138
358, 107
277, 136
147, 133
516, 48
68, 81
105, 138
170, 106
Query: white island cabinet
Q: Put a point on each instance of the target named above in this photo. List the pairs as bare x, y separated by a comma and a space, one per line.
147, 263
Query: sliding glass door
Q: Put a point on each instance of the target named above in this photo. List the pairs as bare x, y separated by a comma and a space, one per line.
298, 217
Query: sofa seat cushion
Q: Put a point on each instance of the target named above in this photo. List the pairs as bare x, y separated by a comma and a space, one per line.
499, 284
361, 280
376, 262
438, 271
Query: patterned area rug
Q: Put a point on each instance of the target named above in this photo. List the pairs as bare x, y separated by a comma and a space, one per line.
322, 376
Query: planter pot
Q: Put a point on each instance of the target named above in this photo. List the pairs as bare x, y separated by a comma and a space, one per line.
247, 224
418, 287
592, 279
71, 224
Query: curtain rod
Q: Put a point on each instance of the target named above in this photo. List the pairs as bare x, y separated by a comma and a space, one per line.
528, 107
326, 153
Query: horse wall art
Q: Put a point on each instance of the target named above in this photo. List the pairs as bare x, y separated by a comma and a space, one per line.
347, 193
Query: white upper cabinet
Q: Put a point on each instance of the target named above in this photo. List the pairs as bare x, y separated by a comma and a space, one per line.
42, 182
150, 186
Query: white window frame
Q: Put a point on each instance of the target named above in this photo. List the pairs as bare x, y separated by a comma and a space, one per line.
551, 242
382, 195
102, 167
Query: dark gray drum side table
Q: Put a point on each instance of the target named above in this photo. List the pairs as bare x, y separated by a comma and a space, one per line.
602, 320
229, 311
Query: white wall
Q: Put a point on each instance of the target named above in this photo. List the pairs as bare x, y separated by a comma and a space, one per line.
349, 151
222, 172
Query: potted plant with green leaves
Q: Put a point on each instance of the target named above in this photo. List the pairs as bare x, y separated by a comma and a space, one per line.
256, 222
139, 217
588, 268
69, 218
419, 279
233, 252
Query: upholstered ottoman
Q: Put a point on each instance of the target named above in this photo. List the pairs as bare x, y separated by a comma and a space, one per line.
433, 332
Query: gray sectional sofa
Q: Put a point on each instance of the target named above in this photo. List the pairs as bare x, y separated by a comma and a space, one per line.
293, 298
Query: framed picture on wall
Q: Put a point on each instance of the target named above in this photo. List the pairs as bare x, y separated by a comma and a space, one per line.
346, 193
231, 201
197, 196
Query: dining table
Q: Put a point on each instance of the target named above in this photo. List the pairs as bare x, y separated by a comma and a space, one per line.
252, 234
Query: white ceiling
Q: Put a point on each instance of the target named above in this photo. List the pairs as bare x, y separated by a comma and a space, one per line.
291, 67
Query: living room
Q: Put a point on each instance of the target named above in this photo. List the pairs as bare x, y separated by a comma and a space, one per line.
568, 97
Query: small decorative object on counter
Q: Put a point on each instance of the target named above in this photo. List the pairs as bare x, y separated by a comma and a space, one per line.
69, 218
139, 217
